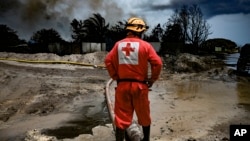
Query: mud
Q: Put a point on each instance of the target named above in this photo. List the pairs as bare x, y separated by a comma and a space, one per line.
48, 98
66, 102
199, 107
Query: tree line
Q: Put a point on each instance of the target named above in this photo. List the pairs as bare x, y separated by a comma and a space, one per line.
185, 31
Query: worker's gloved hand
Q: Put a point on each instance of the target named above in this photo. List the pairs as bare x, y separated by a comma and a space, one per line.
150, 83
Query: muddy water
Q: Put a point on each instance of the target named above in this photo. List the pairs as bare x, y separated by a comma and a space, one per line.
216, 92
196, 89
202, 103
234, 92
90, 115
243, 95
182, 107
80, 125
231, 60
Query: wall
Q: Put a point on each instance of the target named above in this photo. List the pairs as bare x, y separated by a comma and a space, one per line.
88, 47
55, 48
156, 45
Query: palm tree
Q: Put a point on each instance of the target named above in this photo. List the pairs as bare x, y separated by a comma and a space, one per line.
96, 28
118, 32
78, 33
115, 33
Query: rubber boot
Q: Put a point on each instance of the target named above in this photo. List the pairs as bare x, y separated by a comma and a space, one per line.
146, 133
119, 134
126, 136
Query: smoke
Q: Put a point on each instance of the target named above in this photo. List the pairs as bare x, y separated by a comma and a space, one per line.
210, 7
29, 16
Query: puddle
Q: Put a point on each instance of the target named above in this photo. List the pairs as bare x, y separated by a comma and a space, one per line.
82, 124
231, 60
189, 90
203, 95
196, 101
217, 92
243, 92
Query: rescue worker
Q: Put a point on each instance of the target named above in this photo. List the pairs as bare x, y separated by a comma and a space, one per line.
127, 63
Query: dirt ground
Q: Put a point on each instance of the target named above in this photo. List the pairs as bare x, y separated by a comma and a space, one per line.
42, 102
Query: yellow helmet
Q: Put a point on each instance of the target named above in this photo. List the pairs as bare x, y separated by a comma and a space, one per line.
136, 24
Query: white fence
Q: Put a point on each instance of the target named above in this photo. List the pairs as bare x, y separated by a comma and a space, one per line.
93, 47
55, 48
88, 47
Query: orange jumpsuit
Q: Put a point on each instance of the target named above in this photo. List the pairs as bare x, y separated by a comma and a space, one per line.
127, 63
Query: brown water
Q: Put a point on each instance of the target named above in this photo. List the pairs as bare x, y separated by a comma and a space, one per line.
82, 123
185, 105
216, 92
243, 95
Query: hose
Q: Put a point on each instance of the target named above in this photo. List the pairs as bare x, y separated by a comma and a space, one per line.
133, 131
53, 62
109, 102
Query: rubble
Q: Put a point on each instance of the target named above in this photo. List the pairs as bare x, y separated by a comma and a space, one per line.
188, 63
195, 98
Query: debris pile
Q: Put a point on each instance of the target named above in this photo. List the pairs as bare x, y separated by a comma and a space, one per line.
189, 63
95, 58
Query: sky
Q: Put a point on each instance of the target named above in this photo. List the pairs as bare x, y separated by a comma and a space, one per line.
229, 19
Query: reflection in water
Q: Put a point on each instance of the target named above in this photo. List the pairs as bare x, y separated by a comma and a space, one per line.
217, 91
231, 60
81, 125
188, 89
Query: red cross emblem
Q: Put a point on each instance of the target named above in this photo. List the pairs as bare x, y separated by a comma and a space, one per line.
127, 49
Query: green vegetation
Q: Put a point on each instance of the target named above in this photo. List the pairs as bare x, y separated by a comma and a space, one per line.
185, 31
